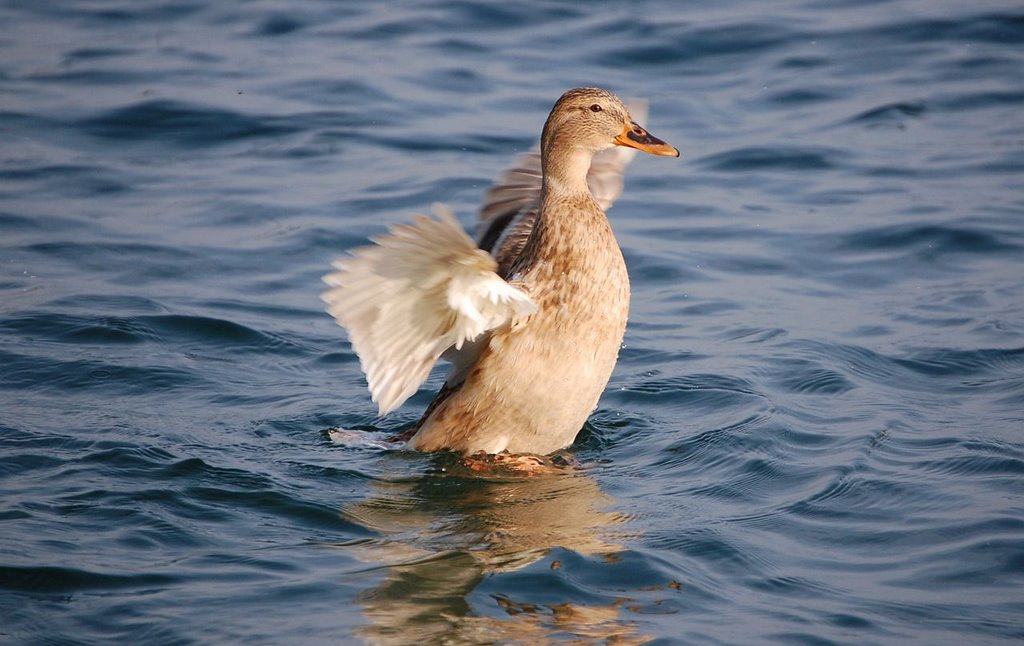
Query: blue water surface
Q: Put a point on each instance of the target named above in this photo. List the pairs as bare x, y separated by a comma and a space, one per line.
814, 432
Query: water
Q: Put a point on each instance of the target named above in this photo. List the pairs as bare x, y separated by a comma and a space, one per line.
813, 434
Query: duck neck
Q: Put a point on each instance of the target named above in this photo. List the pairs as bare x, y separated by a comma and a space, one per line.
565, 200
564, 170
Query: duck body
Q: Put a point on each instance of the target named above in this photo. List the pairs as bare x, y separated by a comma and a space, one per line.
537, 380
555, 301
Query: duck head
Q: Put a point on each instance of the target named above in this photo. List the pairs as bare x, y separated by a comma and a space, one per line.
595, 119
585, 121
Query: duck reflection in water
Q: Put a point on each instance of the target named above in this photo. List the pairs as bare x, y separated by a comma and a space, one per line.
443, 535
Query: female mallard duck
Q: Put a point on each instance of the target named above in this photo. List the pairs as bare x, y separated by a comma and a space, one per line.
532, 319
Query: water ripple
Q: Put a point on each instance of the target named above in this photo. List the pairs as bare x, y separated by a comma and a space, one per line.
775, 158
813, 431
62, 579
182, 124
931, 240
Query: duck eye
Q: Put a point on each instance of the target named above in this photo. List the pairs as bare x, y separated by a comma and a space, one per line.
595, 108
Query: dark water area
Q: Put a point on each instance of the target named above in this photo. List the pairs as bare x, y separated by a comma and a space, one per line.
813, 434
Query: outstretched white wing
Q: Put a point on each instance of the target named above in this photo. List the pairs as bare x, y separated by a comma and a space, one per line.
423, 288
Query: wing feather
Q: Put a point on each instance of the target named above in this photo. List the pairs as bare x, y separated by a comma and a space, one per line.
421, 289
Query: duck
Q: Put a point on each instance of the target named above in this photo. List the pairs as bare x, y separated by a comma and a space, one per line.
531, 314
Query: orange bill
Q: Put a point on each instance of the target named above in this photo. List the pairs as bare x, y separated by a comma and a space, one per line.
634, 136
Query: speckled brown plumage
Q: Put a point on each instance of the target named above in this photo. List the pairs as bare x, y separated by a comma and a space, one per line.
536, 380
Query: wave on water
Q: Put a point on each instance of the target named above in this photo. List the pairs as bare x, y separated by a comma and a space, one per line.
812, 434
